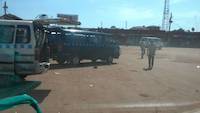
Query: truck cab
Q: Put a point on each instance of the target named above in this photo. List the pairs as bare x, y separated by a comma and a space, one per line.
23, 48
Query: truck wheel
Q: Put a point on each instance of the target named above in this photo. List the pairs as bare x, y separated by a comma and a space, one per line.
109, 60
75, 60
94, 60
60, 61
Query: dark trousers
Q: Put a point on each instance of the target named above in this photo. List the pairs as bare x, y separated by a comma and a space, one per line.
151, 61
142, 52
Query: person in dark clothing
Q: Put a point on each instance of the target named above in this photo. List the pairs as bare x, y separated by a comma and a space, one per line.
151, 51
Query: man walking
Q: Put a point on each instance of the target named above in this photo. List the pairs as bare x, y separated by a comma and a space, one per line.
142, 46
151, 50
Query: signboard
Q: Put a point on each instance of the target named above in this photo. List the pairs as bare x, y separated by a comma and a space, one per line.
68, 17
59, 21
63, 19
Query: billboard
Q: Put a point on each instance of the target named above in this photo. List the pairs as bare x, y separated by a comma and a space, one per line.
68, 17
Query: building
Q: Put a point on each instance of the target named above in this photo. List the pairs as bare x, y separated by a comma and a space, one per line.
10, 17
172, 39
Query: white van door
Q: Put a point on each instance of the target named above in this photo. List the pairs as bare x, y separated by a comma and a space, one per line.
7, 33
24, 51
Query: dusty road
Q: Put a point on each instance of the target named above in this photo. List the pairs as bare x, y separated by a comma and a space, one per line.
173, 86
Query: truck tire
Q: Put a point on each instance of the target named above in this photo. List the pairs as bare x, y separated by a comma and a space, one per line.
109, 60
75, 60
60, 61
94, 60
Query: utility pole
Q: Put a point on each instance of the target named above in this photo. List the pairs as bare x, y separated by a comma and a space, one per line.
165, 21
5, 7
101, 24
126, 24
170, 22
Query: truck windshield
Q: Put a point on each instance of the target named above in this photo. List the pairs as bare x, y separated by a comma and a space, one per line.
6, 33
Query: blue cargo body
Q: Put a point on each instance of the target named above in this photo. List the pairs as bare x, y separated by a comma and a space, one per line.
72, 46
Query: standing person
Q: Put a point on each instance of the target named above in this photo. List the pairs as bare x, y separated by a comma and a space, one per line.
142, 46
151, 51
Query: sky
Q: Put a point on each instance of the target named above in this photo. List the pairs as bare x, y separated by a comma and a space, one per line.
186, 13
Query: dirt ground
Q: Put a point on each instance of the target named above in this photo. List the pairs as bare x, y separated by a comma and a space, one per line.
123, 87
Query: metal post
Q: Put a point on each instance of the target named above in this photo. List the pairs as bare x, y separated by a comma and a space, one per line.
5, 7
170, 22
126, 24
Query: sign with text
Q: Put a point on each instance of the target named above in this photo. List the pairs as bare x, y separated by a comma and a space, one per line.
68, 17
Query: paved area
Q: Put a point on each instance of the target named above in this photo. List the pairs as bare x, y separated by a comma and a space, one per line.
124, 87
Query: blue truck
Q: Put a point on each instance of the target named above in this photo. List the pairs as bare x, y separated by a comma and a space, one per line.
71, 46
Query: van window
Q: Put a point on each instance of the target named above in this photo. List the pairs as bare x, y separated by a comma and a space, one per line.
23, 34
6, 33
93, 39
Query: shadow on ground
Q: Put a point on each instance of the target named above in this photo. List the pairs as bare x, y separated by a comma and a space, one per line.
147, 69
85, 64
39, 95
18, 88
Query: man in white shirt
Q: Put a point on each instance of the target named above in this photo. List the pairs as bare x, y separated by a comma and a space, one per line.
151, 51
